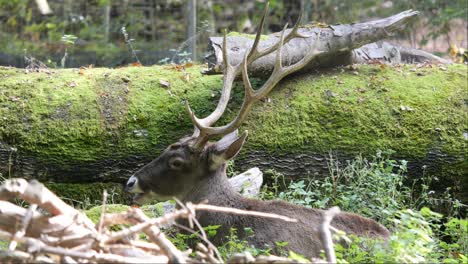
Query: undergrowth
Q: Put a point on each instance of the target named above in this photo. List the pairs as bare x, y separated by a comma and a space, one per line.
377, 188
426, 227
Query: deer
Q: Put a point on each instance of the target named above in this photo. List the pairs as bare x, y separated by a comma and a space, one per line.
193, 169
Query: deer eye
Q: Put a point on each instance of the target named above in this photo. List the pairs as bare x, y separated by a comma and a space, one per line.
176, 163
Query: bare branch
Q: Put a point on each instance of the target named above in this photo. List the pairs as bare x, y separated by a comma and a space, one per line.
37, 246
34, 192
153, 232
24, 225
103, 211
326, 235
207, 207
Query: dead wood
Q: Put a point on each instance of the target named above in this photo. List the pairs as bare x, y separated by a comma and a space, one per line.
326, 234
339, 45
51, 231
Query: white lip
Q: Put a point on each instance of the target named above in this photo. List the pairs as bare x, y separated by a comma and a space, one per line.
136, 186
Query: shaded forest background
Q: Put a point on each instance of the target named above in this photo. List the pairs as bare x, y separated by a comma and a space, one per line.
78, 33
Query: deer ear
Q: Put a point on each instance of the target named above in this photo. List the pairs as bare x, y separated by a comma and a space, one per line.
228, 147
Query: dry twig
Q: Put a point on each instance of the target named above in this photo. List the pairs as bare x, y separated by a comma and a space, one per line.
326, 235
67, 235
24, 225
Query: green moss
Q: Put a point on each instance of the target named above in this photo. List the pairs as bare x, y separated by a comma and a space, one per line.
245, 35
4, 244
95, 213
151, 211
88, 195
380, 108
72, 117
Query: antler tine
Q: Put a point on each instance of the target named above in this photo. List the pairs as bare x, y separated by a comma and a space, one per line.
295, 30
254, 50
204, 131
294, 33
250, 97
229, 75
249, 91
200, 130
225, 53
278, 72
279, 52
195, 119
304, 61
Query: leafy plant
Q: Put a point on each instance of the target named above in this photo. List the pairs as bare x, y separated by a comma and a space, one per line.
68, 40
233, 244
416, 238
376, 188
129, 42
231, 169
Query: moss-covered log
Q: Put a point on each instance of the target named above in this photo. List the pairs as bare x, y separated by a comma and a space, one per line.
100, 125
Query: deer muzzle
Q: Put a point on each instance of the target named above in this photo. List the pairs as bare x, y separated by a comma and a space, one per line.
132, 185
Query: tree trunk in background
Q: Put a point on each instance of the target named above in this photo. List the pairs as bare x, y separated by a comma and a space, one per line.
101, 125
291, 12
307, 11
206, 24
67, 9
192, 28
107, 11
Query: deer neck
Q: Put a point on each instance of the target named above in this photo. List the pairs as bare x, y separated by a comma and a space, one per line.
215, 188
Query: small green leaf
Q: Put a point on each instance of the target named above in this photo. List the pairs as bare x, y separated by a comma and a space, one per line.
294, 256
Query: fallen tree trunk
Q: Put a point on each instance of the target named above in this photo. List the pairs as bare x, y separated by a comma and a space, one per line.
341, 44
101, 125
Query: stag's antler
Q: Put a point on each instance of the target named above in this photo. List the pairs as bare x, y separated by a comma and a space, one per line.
203, 129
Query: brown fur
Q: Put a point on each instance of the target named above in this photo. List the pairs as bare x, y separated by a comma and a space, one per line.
303, 236
202, 176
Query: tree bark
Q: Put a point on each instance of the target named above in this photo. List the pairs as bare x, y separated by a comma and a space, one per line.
343, 45
101, 125
192, 28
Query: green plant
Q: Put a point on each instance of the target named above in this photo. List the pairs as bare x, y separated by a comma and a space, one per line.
4, 244
280, 246
69, 41
376, 188
454, 239
231, 245
416, 238
129, 42
271, 190
231, 169
184, 57
371, 188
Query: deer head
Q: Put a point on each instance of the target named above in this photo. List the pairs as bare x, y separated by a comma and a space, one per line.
182, 165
